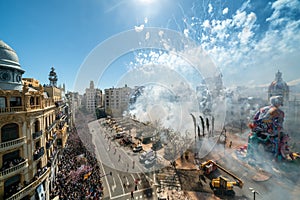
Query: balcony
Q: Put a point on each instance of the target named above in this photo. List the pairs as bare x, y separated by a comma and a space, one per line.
51, 126
13, 170
48, 103
35, 107
37, 134
53, 157
4, 146
12, 109
31, 187
49, 144
38, 153
60, 103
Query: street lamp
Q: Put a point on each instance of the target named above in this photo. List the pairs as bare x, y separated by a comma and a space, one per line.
254, 192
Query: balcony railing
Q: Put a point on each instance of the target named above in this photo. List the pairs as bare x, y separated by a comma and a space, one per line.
53, 157
34, 107
49, 102
37, 134
12, 144
49, 143
14, 169
38, 153
31, 187
51, 126
12, 109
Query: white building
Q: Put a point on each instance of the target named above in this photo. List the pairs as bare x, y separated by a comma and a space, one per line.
93, 97
116, 100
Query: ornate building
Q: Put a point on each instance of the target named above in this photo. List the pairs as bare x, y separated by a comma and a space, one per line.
33, 124
279, 87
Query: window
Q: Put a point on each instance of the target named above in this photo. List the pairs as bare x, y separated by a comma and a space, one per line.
31, 101
36, 126
9, 132
15, 101
37, 101
2, 102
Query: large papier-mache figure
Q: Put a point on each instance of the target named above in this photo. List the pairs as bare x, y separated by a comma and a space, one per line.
267, 129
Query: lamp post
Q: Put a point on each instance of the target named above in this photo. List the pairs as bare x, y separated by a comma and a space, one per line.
254, 192
110, 173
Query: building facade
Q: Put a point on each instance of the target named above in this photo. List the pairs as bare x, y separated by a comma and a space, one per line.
93, 98
33, 124
116, 100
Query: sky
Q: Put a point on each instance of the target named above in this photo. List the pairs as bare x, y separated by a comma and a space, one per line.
247, 40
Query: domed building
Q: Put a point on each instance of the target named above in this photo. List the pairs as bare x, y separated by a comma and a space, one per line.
33, 128
279, 88
10, 70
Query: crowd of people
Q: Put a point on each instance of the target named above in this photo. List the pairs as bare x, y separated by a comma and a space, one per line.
11, 163
86, 185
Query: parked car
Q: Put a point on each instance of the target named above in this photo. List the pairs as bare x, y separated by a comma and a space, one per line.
137, 148
118, 136
146, 155
150, 161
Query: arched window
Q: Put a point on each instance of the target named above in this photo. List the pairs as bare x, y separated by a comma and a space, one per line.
9, 132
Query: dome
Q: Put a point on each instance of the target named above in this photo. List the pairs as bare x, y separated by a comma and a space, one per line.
10, 70
279, 87
278, 84
8, 56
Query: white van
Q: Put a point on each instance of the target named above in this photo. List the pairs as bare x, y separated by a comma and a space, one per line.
146, 155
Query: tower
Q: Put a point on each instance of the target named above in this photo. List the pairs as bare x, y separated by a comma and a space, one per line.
52, 77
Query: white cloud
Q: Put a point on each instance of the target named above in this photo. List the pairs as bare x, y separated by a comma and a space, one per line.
239, 18
186, 32
210, 8
139, 28
147, 36
245, 35
251, 18
206, 24
225, 11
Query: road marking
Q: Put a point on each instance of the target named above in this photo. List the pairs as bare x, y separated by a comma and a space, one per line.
113, 187
121, 184
105, 176
132, 177
98, 155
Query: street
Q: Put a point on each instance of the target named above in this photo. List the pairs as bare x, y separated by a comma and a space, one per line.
128, 174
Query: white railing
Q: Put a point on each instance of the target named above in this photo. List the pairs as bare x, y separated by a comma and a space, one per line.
31, 187
14, 169
12, 143
12, 109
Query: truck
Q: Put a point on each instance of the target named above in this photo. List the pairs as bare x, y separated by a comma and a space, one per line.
221, 184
